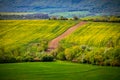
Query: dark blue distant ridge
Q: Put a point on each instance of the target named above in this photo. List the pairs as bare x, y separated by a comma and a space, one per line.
51, 6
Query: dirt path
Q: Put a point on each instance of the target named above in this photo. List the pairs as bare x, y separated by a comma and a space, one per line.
53, 44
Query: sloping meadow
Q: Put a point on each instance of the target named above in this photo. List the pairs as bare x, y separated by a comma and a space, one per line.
18, 37
95, 42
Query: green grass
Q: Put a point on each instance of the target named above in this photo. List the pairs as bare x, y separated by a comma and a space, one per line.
57, 71
95, 34
16, 33
20, 33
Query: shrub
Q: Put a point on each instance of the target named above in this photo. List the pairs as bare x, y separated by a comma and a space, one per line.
38, 54
76, 49
28, 58
81, 58
81, 52
114, 19
77, 53
88, 58
62, 18
75, 18
60, 48
12, 60
7, 59
98, 56
107, 62
36, 59
88, 49
47, 57
113, 56
95, 56
70, 53
54, 53
19, 59
117, 53
85, 48
102, 56
61, 56
115, 62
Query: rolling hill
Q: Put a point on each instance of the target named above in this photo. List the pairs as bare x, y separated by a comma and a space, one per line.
19, 34
94, 43
96, 34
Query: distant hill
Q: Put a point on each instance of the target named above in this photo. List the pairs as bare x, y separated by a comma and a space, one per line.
94, 7
5, 16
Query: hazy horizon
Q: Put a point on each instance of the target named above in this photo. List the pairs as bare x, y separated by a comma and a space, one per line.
61, 7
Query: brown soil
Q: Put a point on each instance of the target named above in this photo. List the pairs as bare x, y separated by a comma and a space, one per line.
53, 44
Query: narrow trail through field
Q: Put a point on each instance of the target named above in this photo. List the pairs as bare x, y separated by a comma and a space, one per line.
53, 44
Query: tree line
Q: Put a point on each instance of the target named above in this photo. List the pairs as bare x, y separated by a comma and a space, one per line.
102, 18
63, 18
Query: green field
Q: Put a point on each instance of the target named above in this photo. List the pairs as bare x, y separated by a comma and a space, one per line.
95, 43
57, 71
96, 34
19, 34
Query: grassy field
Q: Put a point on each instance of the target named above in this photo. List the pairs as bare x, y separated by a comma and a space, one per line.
57, 71
17, 34
94, 42
96, 34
